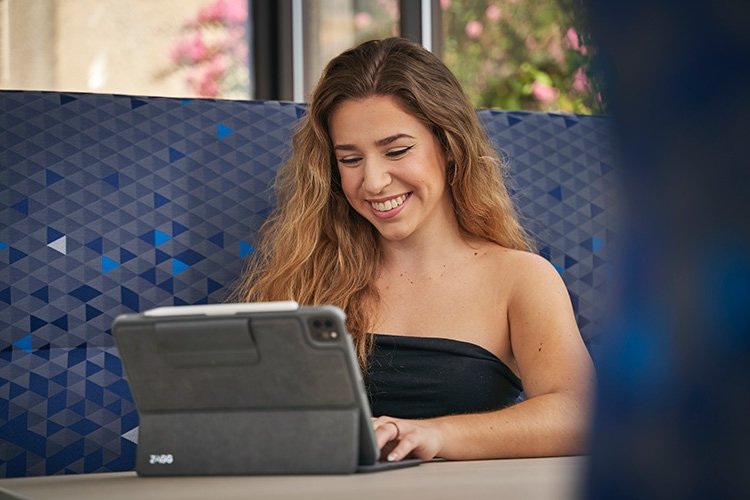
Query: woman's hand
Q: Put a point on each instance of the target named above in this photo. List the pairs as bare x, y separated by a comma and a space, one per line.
398, 438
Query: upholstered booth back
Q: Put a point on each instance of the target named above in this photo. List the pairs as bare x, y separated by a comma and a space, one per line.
115, 204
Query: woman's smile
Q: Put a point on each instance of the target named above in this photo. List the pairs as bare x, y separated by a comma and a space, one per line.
390, 207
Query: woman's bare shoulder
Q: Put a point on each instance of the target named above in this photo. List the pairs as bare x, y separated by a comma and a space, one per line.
520, 270
516, 262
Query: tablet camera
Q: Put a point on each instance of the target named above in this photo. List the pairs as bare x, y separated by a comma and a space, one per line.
323, 330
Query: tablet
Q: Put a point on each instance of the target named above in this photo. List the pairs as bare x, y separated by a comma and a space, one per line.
259, 388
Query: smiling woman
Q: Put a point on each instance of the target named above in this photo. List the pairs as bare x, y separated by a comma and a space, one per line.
390, 164
393, 207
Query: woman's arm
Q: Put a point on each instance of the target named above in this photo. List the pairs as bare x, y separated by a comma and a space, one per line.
557, 375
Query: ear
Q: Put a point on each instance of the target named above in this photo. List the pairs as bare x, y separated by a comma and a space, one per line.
448, 157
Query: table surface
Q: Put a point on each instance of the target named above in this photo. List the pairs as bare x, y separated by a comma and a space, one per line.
557, 478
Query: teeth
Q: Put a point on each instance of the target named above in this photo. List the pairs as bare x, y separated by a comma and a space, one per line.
388, 205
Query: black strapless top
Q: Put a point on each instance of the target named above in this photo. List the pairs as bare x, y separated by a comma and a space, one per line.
423, 377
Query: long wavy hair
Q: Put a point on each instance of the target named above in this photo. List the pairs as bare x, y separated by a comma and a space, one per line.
314, 248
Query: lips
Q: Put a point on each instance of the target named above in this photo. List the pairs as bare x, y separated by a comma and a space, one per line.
388, 205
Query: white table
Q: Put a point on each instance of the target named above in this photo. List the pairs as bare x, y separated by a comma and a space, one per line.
556, 478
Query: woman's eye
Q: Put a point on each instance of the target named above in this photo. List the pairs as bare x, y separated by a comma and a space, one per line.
396, 153
350, 160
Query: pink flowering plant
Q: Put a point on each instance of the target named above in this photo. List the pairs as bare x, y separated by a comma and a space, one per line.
212, 50
520, 55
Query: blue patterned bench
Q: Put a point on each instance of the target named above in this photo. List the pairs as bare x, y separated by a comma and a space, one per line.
113, 204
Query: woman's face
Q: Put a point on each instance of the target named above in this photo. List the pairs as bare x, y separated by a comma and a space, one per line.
392, 167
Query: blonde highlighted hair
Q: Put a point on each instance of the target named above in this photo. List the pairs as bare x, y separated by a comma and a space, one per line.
314, 248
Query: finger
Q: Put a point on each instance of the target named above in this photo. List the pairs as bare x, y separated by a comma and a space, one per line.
402, 449
385, 432
395, 426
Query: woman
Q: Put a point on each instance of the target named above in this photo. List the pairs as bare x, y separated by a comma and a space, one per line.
392, 207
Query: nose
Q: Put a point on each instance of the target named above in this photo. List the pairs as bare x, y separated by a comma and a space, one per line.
376, 177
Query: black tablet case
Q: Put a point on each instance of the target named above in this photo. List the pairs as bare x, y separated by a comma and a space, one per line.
246, 393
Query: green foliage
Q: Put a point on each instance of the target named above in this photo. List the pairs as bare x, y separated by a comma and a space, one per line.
520, 55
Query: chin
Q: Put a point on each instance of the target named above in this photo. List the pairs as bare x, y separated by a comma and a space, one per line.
390, 231
394, 235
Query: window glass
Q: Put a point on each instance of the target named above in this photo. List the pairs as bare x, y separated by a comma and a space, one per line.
184, 48
508, 54
332, 26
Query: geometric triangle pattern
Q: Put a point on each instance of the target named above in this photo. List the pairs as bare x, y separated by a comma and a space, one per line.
63, 411
563, 182
112, 204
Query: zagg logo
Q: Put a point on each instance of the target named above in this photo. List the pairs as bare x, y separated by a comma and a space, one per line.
164, 459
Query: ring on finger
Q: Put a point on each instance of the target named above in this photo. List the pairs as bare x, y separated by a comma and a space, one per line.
398, 431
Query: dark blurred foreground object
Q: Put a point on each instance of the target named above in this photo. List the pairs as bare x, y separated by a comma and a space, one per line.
673, 412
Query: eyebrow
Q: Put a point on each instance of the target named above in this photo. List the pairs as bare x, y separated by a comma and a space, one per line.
380, 142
